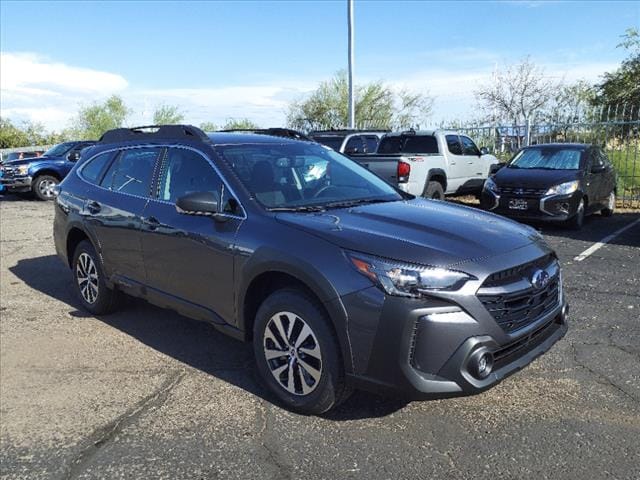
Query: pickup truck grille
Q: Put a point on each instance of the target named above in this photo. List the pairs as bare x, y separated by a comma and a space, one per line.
8, 172
522, 192
513, 301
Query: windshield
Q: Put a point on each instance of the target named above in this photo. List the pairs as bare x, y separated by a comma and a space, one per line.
547, 159
304, 176
333, 141
60, 149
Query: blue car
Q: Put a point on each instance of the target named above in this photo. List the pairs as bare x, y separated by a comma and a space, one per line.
40, 175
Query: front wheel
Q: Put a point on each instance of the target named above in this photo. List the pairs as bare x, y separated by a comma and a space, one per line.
577, 220
43, 187
297, 354
611, 205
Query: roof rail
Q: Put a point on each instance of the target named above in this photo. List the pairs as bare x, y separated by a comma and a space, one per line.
149, 132
274, 131
350, 130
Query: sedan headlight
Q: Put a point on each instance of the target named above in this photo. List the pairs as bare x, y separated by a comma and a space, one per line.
490, 185
563, 189
407, 280
22, 170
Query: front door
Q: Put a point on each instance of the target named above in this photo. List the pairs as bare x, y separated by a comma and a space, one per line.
190, 257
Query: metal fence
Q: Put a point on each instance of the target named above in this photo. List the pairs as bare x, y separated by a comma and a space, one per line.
620, 137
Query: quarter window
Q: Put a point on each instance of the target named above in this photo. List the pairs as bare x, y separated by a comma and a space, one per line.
453, 144
132, 171
92, 171
469, 147
186, 171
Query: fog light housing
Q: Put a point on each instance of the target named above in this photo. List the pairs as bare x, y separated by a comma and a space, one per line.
563, 208
480, 364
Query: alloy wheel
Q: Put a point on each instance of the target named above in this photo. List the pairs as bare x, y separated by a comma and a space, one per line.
87, 277
293, 353
612, 201
46, 188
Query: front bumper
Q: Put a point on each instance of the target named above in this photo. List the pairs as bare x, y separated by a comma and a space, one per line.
16, 183
550, 208
428, 348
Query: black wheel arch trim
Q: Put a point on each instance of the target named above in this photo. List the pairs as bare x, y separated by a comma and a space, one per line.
436, 172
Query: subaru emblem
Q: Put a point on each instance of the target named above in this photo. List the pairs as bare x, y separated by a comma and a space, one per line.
518, 191
540, 279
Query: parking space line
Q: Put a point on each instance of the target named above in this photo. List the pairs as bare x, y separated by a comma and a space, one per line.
604, 241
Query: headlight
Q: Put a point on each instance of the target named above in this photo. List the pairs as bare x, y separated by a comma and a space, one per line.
490, 185
563, 188
22, 169
407, 280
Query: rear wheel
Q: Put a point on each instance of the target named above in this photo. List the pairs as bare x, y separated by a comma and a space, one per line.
611, 205
90, 284
43, 187
577, 220
434, 191
297, 353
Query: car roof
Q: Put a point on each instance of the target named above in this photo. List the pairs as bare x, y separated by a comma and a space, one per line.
559, 146
240, 138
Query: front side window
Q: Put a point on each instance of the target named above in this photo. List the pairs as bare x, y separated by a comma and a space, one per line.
547, 159
453, 144
469, 147
354, 145
132, 171
93, 169
186, 171
301, 175
60, 149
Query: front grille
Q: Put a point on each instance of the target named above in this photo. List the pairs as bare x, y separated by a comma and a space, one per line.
516, 349
515, 309
522, 192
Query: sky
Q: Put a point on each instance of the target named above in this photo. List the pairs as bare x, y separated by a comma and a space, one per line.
222, 60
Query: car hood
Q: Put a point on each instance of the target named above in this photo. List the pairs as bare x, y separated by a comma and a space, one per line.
27, 161
416, 231
533, 178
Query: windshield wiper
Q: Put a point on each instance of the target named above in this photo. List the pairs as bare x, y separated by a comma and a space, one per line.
302, 208
353, 203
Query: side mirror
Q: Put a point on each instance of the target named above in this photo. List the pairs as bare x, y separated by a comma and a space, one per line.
198, 203
73, 156
495, 167
484, 151
598, 168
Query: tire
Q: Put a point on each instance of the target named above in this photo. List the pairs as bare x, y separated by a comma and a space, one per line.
434, 191
89, 281
611, 205
308, 377
577, 220
43, 185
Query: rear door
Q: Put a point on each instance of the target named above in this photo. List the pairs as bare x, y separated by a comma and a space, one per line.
190, 257
114, 210
458, 171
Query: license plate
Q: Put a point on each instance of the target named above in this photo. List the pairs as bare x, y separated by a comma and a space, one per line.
518, 204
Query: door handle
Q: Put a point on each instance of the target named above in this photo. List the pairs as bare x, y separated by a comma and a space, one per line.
93, 207
152, 223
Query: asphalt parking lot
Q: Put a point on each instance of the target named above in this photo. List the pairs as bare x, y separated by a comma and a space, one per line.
146, 393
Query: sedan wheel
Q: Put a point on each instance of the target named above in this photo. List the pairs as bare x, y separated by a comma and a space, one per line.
293, 353
87, 278
611, 205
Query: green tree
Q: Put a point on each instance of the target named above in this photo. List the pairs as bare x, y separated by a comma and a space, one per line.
621, 88
11, 136
167, 115
208, 126
239, 124
92, 121
377, 105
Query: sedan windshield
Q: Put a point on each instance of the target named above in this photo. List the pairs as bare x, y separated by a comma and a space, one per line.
303, 176
547, 159
60, 149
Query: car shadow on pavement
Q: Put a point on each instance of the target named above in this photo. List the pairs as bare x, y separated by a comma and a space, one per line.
191, 342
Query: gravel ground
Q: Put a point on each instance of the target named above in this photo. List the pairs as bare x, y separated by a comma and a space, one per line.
146, 393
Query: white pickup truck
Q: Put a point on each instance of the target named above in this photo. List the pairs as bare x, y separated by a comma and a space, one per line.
430, 163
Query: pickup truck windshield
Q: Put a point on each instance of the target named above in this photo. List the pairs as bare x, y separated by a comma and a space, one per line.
423, 144
332, 141
304, 176
59, 149
547, 159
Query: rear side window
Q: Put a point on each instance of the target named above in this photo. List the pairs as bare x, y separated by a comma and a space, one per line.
186, 171
469, 147
420, 144
92, 171
453, 144
371, 143
132, 171
354, 145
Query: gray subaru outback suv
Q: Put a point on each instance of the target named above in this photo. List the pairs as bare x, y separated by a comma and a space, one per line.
339, 280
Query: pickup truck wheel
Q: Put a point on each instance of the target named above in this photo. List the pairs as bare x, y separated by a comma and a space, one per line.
434, 191
297, 354
43, 187
89, 280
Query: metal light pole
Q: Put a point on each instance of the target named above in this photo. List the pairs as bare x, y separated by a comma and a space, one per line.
352, 109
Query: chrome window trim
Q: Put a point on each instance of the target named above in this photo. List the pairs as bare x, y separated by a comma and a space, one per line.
131, 147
